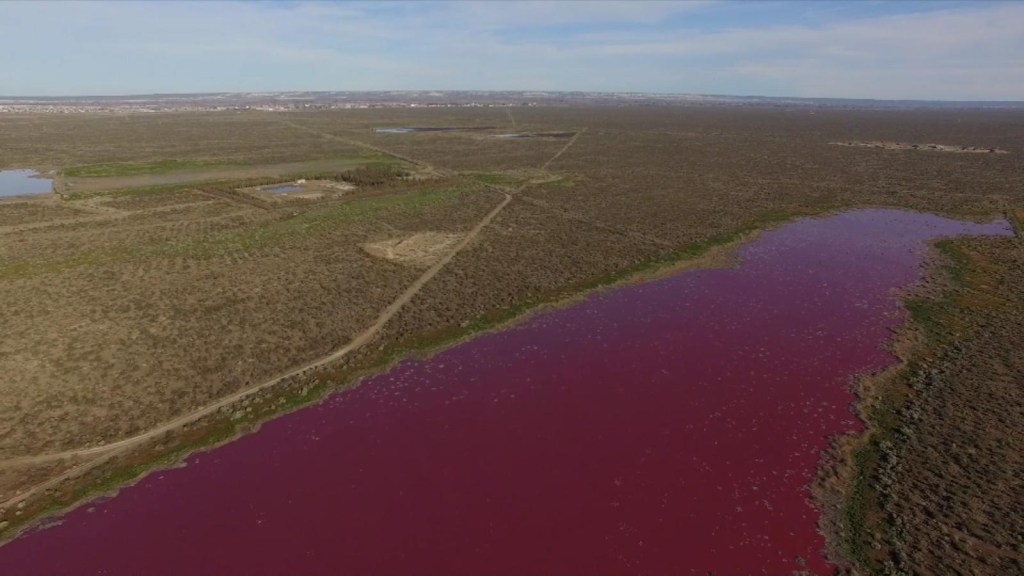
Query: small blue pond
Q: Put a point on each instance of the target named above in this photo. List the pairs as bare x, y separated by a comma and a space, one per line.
22, 182
283, 188
408, 130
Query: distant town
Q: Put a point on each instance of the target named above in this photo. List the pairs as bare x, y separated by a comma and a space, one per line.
282, 101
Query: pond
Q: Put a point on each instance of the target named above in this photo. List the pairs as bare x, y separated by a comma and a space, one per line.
536, 135
283, 188
664, 427
404, 130
23, 182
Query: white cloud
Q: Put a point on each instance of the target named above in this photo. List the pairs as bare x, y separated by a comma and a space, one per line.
962, 53
547, 13
953, 54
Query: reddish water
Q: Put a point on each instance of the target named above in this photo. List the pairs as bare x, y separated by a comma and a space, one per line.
663, 428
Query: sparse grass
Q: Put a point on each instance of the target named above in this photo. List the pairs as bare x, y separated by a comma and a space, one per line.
855, 512
140, 190
926, 314
373, 170
135, 168
932, 315
317, 221
381, 172
14, 269
1016, 218
497, 178
303, 226
561, 181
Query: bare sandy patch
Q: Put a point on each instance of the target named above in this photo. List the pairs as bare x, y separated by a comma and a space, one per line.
420, 250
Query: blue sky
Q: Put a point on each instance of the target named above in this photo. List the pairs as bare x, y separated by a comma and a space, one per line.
863, 49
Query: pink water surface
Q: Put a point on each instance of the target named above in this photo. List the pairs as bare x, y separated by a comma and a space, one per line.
669, 427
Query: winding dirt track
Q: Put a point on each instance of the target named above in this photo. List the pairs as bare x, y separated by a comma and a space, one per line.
106, 451
568, 145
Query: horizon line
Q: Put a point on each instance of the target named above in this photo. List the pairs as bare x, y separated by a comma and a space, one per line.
495, 91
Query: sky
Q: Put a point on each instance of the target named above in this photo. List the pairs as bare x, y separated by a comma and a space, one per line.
864, 49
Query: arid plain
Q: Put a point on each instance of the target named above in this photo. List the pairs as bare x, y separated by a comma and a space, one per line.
163, 299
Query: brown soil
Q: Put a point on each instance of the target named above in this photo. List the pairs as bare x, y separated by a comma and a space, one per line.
34, 211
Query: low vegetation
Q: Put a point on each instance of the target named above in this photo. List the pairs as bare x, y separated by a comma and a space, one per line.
135, 168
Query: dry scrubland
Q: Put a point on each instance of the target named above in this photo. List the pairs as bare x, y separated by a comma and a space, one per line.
953, 473
127, 306
115, 324
89, 142
937, 487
